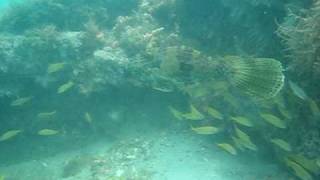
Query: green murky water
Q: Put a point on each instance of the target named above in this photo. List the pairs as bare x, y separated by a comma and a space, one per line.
159, 89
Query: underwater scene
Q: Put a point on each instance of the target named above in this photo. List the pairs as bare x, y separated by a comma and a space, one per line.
159, 89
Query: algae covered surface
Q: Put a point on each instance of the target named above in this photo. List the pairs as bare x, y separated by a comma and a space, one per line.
159, 89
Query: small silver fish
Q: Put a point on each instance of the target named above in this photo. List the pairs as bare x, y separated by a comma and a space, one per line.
21, 101
298, 91
44, 115
65, 87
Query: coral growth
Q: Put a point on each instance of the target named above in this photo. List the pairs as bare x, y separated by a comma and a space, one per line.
167, 46
309, 143
300, 33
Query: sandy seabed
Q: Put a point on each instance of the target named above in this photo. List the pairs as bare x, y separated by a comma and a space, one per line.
160, 155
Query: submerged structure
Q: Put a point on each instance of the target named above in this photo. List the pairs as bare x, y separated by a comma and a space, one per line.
244, 72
